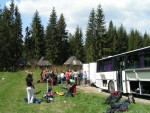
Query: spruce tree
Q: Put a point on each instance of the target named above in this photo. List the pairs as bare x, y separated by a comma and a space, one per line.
139, 41
115, 43
18, 35
37, 36
51, 36
122, 39
63, 45
109, 40
134, 40
131, 40
146, 40
79, 48
72, 44
28, 45
11, 32
100, 30
90, 39
1, 39
5, 38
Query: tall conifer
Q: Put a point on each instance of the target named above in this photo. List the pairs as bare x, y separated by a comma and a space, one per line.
63, 44
37, 36
52, 38
90, 42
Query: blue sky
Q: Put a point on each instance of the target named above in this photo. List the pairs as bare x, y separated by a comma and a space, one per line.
133, 14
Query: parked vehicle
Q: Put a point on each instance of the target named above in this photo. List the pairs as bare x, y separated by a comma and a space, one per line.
128, 72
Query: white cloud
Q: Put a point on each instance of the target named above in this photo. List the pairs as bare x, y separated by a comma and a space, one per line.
131, 13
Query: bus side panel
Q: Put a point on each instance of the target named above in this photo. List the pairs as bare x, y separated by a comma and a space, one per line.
130, 76
143, 75
138, 81
103, 78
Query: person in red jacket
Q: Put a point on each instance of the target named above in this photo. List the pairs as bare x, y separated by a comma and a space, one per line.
67, 75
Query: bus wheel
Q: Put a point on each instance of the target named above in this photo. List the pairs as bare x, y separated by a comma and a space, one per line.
111, 86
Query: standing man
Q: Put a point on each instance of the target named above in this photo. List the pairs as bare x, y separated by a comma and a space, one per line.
85, 78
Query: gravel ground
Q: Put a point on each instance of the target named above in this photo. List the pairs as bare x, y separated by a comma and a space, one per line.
89, 89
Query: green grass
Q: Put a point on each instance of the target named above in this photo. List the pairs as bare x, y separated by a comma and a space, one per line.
13, 92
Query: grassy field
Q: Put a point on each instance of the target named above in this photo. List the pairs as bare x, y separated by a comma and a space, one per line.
12, 94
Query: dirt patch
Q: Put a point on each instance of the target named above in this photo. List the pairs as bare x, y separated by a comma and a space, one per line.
89, 89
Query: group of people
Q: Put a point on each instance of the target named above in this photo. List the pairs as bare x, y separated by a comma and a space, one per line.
79, 76
71, 78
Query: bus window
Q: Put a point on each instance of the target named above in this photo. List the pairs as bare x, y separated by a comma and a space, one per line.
142, 61
133, 61
104, 66
108, 65
100, 66
147, 60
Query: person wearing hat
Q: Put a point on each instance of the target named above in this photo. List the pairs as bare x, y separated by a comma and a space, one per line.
71, 84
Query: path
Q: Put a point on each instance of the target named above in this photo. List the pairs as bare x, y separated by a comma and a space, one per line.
89, 89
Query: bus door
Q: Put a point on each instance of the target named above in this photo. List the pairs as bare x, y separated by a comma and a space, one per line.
119, 74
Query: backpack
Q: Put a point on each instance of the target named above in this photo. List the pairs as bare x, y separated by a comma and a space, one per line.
114, 97
123, 108
120, 107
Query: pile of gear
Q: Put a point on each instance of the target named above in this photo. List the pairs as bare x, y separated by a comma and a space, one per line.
115, 104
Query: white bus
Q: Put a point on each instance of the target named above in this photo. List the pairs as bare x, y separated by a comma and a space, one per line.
128, 72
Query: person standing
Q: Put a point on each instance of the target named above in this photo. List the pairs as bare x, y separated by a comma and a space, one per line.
80, 76
75, 75
62, 76
85, 78
30, 88
67, 75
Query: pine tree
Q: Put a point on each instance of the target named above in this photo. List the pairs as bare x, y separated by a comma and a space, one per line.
79, 48
28, 45
72, 44
4, 38
115, 45
63, 45
37, 36
11, 27
134, 40
1, 39
131, 40
139, 41
100, 30
122, 39
52, 38
18, 35
108, 50
90, 39
146, 40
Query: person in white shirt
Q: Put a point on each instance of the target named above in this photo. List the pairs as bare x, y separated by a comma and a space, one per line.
62, 76
75, 75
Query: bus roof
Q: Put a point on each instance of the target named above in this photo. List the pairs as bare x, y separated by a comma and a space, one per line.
148, 47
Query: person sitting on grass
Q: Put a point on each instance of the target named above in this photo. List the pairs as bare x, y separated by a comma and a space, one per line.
71, 86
